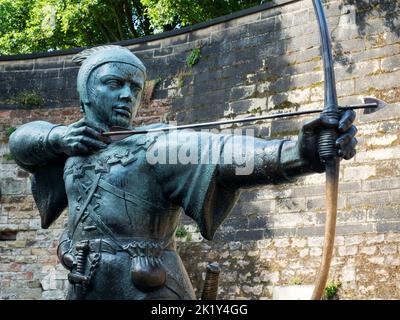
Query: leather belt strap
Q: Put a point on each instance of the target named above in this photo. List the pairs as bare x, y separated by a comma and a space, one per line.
102, 245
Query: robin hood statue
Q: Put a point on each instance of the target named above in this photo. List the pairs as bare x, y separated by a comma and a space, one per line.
124, 201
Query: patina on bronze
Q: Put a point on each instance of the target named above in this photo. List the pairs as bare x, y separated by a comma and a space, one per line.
123, 211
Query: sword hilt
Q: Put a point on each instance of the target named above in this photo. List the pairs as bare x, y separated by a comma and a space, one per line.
210, 288
81, 248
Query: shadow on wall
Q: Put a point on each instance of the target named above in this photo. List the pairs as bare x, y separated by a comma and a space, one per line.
356, 14
389, 10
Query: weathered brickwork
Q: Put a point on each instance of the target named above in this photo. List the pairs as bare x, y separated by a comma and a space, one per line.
367, 265
264, 62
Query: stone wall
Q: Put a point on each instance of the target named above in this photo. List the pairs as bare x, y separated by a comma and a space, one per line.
258, 61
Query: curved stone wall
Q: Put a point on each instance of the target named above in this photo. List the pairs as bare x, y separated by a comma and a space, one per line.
259, 61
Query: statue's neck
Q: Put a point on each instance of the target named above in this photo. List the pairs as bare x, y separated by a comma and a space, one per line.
96, 120
99, 123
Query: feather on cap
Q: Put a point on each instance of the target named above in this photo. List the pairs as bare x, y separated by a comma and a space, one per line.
84, 54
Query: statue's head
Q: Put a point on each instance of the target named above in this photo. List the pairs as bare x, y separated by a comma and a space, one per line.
110, 84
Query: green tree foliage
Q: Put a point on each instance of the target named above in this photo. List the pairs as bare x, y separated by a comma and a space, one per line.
44, 25
170, 14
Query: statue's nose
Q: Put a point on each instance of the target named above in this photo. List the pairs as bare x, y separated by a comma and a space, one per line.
126, 94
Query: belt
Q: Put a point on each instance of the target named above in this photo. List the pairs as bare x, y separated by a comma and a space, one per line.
136, 246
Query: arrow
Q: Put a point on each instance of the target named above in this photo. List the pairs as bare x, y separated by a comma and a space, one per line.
118, 131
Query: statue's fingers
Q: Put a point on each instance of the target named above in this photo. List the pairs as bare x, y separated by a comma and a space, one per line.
346, 120
347, 150
351, 145
92, 143
80, 148
346, 137
350, 155
88, 131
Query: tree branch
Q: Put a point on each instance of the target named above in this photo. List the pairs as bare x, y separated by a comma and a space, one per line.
142, 18
115, 8
102, 29
129, 17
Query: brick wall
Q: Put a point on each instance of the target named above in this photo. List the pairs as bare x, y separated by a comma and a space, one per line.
260, 61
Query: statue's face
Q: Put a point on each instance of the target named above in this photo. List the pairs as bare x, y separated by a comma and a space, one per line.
114, 91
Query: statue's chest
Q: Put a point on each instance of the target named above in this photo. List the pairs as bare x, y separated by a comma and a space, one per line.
118, 166
117, 186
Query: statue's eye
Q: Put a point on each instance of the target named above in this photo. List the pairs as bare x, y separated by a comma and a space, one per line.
113, 83
135, 89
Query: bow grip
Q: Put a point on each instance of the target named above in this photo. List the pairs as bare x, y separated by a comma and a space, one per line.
327, 138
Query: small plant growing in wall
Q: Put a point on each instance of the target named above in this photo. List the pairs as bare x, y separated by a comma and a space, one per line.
297, 281
331, 289
286, 105
181, 232
28, 99
256, 110
10, 130
181, 78
8, 156
193, 58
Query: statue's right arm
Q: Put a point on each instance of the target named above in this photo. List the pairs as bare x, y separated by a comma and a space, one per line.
39, 142
31, 146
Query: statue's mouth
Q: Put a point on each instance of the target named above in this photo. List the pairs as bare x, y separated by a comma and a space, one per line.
123, 110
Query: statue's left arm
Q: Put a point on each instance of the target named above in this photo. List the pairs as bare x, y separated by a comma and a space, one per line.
198, 174
278, 161
31, 150
42, 148
30, 145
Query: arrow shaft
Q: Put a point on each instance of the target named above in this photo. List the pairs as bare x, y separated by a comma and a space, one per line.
225, 122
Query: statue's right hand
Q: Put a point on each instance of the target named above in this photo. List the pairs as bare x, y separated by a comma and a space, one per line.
79, 138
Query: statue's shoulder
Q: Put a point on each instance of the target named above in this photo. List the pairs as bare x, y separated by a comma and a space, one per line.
144, 141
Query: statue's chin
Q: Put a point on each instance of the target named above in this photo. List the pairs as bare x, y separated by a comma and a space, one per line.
120, 121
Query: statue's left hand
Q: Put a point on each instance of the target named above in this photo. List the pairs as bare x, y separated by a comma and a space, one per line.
79, 138
345, 143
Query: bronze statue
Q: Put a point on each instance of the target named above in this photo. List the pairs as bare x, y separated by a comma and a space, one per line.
124, 207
